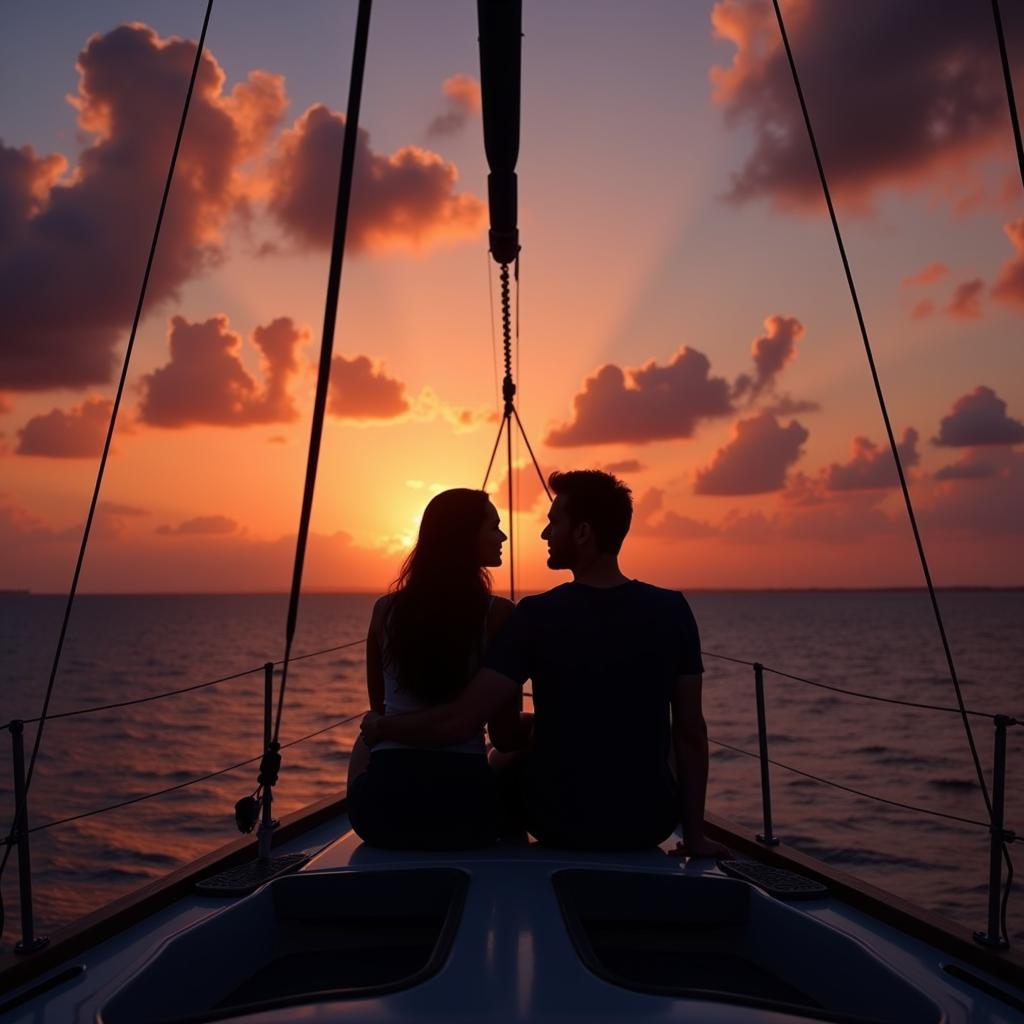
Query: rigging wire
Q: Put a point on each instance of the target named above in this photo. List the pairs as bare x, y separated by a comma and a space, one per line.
94, 501
1008, 80
494, 336
327, 343
888, 426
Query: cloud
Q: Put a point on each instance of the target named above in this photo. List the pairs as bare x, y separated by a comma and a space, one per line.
970, 467
981, 504
462, 101
527, 489
78, 433
755, 460
1009, 286
214, 526
407, 199
871, 467
771, 352
72, 246
979, 418
922, 309
624, 466
787, 406
929, 101
361, 391
928, 274
651, 519
965, 303
650, 403
206, 383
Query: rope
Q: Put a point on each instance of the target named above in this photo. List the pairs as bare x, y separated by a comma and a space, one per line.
190, 782
1008, 79
885, 416
327, 342
94, 501
855, 792
190, 689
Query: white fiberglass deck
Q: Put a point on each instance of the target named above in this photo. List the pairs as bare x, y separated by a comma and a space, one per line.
510, 951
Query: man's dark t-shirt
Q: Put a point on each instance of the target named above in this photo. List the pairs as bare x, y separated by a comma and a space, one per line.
603, 662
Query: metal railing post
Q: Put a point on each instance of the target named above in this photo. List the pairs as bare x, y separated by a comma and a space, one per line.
767, 837
30, 942
994, 937
266, 827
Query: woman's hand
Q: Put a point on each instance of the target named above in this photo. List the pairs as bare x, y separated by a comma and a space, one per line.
368, 728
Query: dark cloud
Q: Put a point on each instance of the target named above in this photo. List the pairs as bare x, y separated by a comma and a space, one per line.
1009, 286
970, 467
650, 403
360, 391
72, 248
871, 467
405, 199
784, 405
928, 274
979, 418
965, 303
461, 103
624, 466
76, 434
755, 460
771, 352
981, 506
206, 383
200, 526
928, 94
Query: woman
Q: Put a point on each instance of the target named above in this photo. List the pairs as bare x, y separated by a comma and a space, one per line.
425, 641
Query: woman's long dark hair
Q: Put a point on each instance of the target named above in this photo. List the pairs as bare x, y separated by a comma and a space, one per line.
435, 622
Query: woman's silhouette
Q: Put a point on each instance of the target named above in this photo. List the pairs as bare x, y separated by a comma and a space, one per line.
426, 640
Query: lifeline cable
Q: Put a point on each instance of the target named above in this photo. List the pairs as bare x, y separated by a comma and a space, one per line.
18, 811
889, 431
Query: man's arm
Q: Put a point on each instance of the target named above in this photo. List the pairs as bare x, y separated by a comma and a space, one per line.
448, 723
690, 744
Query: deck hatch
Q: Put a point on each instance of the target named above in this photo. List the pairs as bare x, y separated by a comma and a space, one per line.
722, 940
301, 939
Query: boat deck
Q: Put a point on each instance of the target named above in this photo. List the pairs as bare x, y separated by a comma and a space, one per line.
512, 933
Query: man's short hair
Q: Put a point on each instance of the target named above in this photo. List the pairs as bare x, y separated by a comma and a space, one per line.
599, 499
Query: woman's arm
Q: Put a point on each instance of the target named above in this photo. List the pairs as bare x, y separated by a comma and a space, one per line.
375, 659
509, 728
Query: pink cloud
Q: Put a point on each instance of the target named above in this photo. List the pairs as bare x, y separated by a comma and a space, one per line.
210, 526
985, 503
972, 466
462, 101
979, 418
361, 391
755, 460
770, 352
624, 466
72, 248
650, 403
922, 309
206, 383
1009, 286
652, 519
871, 467
406, 199
928, 274
76, 434
929, 102
965, 303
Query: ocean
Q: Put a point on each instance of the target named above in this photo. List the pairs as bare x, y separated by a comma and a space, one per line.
879, 642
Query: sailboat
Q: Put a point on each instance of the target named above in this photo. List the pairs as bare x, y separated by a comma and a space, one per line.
322, 927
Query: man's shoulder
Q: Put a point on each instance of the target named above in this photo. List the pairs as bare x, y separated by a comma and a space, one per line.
657, 595
547, 599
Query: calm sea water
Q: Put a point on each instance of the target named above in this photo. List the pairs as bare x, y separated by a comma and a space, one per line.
880, 642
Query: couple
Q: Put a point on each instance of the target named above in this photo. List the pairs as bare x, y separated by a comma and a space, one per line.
616, 672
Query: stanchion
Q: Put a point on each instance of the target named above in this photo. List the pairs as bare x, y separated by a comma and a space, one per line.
768, 838
994, 937
30, 942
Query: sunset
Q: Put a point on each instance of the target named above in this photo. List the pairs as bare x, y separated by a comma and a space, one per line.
682, 312
511, 510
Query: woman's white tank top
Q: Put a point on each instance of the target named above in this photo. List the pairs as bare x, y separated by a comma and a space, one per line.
399, 701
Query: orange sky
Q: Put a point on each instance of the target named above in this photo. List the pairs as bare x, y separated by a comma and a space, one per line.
683, 314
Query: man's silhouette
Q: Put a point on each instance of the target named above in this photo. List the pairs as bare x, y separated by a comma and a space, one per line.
609, 658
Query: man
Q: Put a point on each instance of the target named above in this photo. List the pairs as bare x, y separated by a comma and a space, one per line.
609, 658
